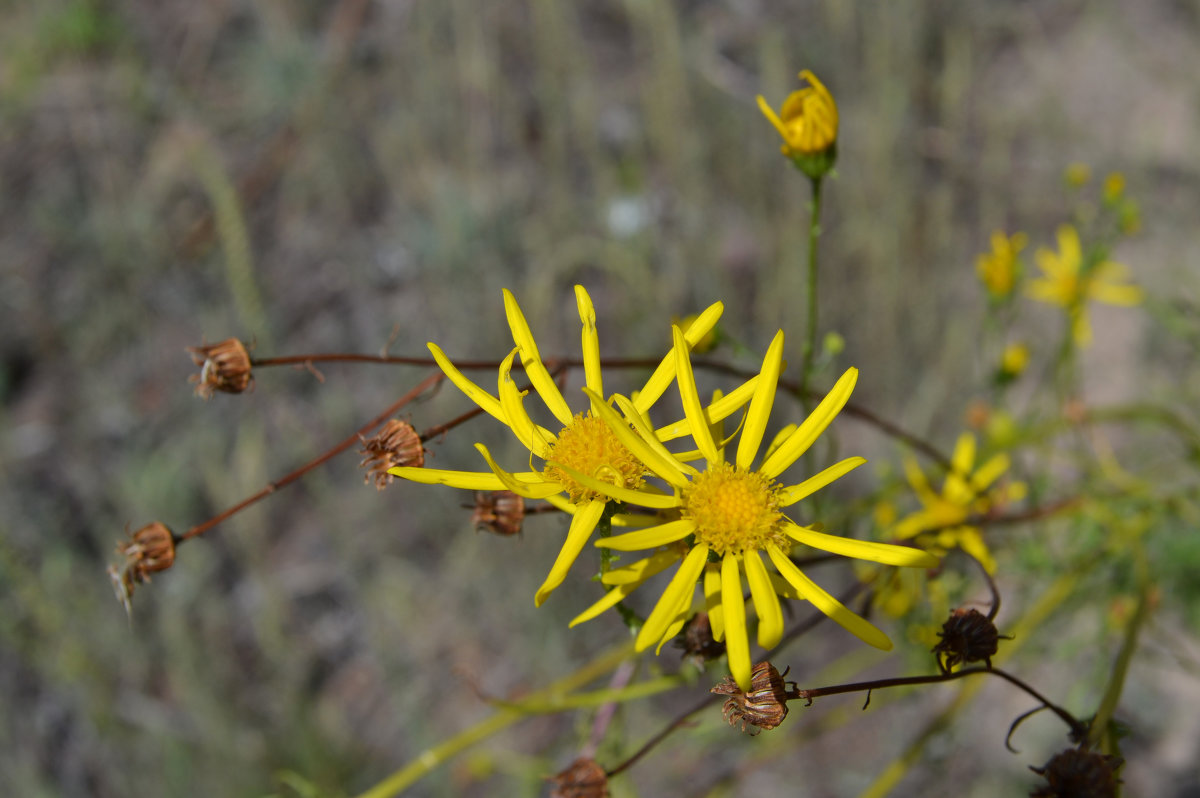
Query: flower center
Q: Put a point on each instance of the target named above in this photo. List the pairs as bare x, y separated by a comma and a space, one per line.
734, 510
588, 446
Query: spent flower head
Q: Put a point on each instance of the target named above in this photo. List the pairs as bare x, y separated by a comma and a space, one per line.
224, 366
940, 524
728, 516
1071, 282
808, 123
584, 445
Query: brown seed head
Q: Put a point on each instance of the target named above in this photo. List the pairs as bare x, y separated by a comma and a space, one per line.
150, 549
967, 636
498, 511
763, 706
697, 641
583, 779
1078, 774
396, 444
223, 367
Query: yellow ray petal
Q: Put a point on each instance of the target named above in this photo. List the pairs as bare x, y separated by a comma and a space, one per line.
582, 525
468, 480
720, 409
591, 341
661, 379
537, 490
712, 600
737, 644
766, 603
814, 483
683, 583
784, 588
640, 571
826, 603
485, 400
683, 611
812, 427
990, 471
884, 553
642, 498
650, 538
692, 408
531, 360
528, 433
760, 404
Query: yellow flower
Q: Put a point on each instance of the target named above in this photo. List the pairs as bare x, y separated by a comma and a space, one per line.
584, 445
1000, 268
726, 517
808, 123
1114, 187
939, 525
1013, 361
1077, 174
1066, 282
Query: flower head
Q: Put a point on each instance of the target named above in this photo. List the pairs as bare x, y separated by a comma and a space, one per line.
224, 367
149, 550
808, 123
728, 516
939, 525
1071, 283
1000, 269
584, 445
396, 444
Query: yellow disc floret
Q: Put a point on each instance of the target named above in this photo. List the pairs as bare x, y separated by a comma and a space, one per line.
588, 446
734, 510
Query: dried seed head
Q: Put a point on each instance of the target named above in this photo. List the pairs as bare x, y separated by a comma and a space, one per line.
763, 706
697, 641
498, 511
1078, 774
583, 779
223, 367
396, 444
150, 549
967, 636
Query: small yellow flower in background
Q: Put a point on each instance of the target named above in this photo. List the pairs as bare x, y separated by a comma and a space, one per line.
585, 444
938, 525
1114, 187
1013, 362
1067, 283
808, 123
1077, 174
1000, 269
734, 514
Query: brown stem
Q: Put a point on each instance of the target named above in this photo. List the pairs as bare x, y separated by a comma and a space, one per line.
662, 735
902, 681
424, 385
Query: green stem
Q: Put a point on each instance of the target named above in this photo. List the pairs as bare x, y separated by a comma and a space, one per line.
814, 232
431, 758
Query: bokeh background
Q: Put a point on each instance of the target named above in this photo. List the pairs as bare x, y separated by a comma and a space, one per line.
354, 175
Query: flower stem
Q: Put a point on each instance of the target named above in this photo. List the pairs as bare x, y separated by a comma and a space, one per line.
814, 232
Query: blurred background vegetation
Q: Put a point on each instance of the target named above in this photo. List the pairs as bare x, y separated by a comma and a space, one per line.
350, 175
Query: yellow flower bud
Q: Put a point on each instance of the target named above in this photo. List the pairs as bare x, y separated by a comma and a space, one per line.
808, 123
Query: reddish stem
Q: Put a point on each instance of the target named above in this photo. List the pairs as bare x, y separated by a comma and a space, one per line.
424, 385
